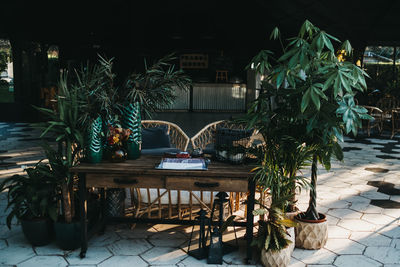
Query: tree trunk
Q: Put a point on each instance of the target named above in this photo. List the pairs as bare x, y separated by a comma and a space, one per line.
66, 203
312, 213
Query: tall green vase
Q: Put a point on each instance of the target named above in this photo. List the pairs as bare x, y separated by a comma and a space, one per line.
94, 149
131, 120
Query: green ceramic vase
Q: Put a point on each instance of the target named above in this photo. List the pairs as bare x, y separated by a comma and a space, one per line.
133, 150
94, 149
131, 120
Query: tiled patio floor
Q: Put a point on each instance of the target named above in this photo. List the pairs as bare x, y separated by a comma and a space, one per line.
360, 232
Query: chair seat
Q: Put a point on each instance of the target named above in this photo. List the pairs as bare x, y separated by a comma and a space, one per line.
184, 196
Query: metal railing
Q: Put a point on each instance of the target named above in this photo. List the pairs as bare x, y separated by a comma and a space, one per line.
211, 97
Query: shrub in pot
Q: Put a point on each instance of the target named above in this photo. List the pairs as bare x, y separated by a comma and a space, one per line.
67, 225
32, 201
273, 237
315, 94
64, 125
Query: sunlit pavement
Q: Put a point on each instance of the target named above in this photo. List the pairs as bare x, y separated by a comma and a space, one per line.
360, 196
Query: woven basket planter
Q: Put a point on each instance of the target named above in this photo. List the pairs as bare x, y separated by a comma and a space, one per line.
311, 234
275, 258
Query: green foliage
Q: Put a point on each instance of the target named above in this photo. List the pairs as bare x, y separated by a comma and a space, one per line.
98, 93
64, 125
155, 87
314, 92
31, 196
282, 158
3, 60
59, 171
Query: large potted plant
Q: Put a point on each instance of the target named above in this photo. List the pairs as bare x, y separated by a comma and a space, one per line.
32, 200
273, 237
315, 99
64, 124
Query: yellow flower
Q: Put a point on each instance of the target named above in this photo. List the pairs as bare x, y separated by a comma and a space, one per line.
116, 139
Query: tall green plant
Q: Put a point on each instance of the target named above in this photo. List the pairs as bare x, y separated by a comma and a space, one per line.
98, 92
315, 95
155, 87
64, 125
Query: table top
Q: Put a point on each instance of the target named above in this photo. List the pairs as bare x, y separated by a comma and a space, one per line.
146, 164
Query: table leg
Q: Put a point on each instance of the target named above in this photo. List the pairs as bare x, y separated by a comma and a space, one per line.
83, 213
250, 218
102, 211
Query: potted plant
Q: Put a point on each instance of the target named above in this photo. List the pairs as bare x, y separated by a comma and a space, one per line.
32, 201
98, 97
315, 92
273, 238
64, 124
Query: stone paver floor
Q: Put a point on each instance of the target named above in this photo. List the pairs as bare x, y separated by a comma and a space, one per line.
360, 197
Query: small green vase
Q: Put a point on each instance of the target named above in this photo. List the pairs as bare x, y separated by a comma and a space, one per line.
133, 150
94, 150
94, 156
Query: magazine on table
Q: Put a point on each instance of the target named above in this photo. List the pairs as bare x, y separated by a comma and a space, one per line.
183, 164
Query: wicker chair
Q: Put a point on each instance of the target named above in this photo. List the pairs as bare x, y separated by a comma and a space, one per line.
161, 203
382, 113
206, 136
377, 122
177, 137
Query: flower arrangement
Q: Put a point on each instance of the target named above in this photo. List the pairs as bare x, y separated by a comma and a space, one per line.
117, 136
116, 141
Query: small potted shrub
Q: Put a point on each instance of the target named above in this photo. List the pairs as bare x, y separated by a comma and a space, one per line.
273, 237
32, 201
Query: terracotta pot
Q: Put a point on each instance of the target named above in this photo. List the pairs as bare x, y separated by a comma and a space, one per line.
311, 234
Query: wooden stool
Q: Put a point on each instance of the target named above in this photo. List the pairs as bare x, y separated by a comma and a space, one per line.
221, 75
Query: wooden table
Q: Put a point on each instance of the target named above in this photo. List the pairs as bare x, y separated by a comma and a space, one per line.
142, 173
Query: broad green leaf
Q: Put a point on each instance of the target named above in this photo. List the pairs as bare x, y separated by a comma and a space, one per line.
305, 101
327, 42
315, 98
346, 46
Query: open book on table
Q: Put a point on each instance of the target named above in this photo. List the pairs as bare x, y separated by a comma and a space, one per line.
182, 164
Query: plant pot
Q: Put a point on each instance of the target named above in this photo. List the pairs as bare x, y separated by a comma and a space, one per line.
311, 234
115, 202
117, 154
131, 119
68, 235
94, 156
279, 258
94, 150
133, 150
38, 231
292, 238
